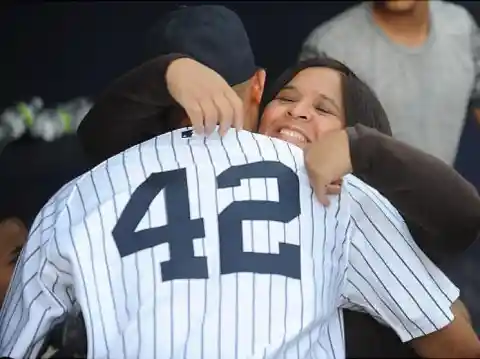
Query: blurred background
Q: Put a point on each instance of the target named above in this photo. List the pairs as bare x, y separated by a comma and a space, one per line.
61, 51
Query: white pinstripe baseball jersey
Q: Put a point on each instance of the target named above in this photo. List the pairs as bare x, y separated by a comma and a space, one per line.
190, 248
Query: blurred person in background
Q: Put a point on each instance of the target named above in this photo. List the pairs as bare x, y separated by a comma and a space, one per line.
14, 224
13, 234
422, 58
136, 107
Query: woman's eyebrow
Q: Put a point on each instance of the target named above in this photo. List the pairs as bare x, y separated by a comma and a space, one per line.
288, 87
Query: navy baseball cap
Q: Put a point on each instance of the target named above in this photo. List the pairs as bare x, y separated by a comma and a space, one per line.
211, 34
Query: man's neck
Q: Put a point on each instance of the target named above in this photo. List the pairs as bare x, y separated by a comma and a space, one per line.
409, 28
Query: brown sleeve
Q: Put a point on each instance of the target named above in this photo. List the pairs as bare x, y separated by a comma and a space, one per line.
424, 189
131, 110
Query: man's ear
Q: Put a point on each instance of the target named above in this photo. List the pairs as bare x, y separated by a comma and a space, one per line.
258, 85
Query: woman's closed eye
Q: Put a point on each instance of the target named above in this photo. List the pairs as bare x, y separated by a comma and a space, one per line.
324, 110
285, 99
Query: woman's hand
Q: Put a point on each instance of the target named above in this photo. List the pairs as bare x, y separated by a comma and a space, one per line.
206, 97
327, 160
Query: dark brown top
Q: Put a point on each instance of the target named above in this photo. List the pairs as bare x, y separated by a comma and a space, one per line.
441, 208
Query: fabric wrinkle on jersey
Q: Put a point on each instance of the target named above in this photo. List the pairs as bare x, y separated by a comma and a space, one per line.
216, 248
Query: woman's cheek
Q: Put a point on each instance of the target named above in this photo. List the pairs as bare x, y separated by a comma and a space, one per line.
269, 115
327, 125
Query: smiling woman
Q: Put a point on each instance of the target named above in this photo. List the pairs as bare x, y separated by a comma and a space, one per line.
314, 99
326, 91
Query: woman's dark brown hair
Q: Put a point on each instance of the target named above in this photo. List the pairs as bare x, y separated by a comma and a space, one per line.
361, 105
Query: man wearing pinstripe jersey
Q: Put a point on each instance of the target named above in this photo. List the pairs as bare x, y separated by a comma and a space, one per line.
184, 246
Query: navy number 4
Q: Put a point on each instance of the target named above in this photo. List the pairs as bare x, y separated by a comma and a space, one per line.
181, 230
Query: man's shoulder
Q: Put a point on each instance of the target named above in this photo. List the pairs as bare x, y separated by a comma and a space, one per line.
452, 18
357, 189
366, 196
186, 137
183, 148
353, 181
360, 191
448, 8
342, 26
56, 204
341, 36
51, 217
242, 143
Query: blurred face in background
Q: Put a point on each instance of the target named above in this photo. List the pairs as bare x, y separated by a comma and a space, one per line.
307, 107
13, 235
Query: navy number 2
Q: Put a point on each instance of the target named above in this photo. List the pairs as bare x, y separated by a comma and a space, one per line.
181, 230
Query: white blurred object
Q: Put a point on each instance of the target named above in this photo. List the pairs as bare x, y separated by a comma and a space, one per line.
47, 124
16, 120
78, 109
50, 124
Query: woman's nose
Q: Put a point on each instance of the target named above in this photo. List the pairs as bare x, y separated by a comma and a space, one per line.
298, 112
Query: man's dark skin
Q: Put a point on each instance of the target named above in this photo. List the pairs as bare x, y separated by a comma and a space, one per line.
137, 107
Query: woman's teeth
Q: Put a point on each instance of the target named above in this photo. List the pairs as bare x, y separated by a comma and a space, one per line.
293, 134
